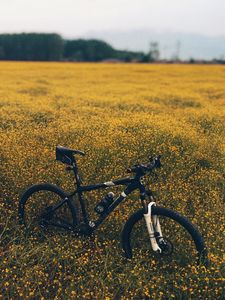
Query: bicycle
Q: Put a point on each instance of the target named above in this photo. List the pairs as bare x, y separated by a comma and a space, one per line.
160, 224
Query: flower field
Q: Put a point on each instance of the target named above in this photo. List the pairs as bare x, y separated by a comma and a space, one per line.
118, 114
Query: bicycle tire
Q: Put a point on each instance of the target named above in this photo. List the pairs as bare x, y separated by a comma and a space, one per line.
192, 231
43, 187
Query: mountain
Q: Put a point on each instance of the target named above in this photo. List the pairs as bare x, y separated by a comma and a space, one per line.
171, 44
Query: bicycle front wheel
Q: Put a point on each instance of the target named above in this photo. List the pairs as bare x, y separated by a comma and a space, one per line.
36, 208
183, 244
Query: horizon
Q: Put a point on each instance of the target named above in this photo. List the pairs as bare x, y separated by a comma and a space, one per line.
171, 45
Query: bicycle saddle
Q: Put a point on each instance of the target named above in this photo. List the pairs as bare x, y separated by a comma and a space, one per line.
65, 155
68, 151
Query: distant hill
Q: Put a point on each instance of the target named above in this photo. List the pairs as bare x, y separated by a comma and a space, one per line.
171, 44
52, 47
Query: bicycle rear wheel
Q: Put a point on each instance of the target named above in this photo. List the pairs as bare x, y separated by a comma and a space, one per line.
36, 208
183, 243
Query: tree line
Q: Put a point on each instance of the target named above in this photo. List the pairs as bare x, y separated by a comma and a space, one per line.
52, 47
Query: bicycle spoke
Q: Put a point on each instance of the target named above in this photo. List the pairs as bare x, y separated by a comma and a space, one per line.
183, 249
38, 211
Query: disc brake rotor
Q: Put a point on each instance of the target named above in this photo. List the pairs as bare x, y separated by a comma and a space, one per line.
166, 246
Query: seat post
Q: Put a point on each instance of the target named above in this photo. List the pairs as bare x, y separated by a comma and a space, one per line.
75, 171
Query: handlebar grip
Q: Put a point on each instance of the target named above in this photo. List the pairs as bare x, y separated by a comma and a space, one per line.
154, 164
157, 163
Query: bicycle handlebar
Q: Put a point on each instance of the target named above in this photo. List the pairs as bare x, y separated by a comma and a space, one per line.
142, 169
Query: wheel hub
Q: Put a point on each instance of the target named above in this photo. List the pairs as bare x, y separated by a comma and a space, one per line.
47, 214
166, 246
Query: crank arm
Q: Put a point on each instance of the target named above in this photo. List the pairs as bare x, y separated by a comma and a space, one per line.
66, 225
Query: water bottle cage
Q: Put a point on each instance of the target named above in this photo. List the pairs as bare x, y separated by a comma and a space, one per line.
104, 204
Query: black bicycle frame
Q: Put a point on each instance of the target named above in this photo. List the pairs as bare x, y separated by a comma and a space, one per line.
131, 183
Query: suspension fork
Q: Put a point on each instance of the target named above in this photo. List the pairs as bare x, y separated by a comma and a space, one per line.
152, 222
153, 227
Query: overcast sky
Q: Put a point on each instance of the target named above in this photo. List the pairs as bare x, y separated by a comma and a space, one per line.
73, 18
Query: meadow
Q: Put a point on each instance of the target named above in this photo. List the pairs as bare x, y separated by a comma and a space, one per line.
117, 114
